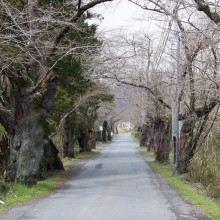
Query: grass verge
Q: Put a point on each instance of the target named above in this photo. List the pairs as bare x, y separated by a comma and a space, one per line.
19, 193
178, 181
144, 151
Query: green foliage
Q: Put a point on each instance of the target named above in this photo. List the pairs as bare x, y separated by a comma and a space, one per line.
64, 6
50, 125
205, 167
18, 4
85, 34
4, 189
136, 135
87, 113
72, 82
148, 153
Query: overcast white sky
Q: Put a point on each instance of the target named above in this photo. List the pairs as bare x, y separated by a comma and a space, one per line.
123, 14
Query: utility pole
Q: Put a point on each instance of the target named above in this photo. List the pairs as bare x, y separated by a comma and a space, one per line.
176, 114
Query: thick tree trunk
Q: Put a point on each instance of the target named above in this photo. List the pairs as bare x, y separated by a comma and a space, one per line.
147, 133
68, 139
99, 136
4, 155
27, 135
104, 132
186, 145
162, 133
50, 160
84, 141
92, 138
109, 135
26, 143
144, 137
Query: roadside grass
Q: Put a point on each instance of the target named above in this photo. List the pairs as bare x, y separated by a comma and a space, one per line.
179, 182
135, 137
19, 193
148, 153
123, 130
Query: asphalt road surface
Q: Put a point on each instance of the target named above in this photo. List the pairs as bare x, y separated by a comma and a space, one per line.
116, 185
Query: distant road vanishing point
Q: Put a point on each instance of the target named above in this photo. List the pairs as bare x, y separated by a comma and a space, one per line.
116, 185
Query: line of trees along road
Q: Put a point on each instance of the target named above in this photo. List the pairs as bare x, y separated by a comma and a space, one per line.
43, 44
151, 71
49, 54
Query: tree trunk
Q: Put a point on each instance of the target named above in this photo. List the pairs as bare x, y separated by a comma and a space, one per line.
99, 136
185, 145
26, 133
104, 132
84, 141
4, 154
50, 160
68, 139
26, 143
109, 135
144, 136
92, 138
147, 136
116, 130
162, 130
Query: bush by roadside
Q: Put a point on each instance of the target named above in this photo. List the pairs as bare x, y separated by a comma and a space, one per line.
204, 167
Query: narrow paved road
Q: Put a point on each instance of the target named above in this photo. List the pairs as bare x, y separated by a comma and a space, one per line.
116, 185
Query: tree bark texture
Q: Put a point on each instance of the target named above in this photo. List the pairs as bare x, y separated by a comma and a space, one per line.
68, 137
50, 160
147, 136
27, 135
144, 137
99, 136
92, 138
186, 151
83, 140
163, 135
4, 154
109, 136
26, 140
104, 132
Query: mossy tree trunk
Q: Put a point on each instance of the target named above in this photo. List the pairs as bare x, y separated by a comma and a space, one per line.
27, 134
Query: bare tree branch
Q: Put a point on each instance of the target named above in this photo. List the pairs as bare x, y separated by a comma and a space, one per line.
74, 19
140, 86
202, 5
